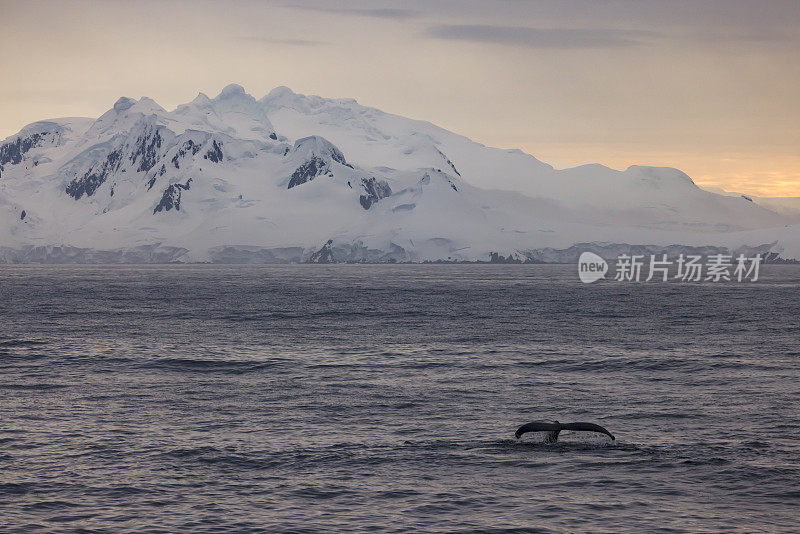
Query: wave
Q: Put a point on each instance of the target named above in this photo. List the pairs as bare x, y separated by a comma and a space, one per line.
224, 366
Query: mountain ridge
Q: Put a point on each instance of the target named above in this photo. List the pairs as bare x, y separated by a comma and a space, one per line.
291, 172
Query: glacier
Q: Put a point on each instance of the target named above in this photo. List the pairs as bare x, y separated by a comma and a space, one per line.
297, 178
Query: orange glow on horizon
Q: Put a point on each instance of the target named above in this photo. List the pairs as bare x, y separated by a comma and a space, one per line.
757, 174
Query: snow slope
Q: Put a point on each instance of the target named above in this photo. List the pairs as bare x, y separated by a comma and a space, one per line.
789, 206
233, 178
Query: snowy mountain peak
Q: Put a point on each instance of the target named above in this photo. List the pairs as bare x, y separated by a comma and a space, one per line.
123, 104
143, 105
279, 92
201, 100
213, 181
232, 90
661, 174
122, 117
232, 112
315, 145
314, 156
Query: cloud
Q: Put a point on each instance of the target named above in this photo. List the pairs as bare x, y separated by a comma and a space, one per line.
540, 37
290, 42
379, 13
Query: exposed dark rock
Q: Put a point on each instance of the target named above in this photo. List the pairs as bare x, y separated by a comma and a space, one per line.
161, 172
308, 171
13, 151
323, 255
448, 162
321, 148
146, 150
273, 136
497, 258
337, 156
318, 154
22, 215
774, 257
94, 178
426, 179
188, 146
172, 197
215, 154
374, 191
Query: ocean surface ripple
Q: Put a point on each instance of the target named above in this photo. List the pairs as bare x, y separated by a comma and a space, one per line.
384, 399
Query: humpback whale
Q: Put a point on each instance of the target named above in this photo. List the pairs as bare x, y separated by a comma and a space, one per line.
555, 427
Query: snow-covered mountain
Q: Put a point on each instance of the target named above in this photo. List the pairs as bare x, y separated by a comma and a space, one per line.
296, 178
789, 206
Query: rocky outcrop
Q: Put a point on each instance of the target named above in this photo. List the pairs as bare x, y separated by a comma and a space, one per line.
308, 171
323, 255
498, 258
426, 179
320, 147
39, 134
374, 190
215, 153
172, 197
94, 177
147, 150
316, 155
450, 163
12, 152
187, 147
151, 182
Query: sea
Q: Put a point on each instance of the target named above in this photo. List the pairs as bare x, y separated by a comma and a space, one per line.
384, 399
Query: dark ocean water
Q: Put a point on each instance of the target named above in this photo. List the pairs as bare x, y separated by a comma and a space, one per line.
385, 398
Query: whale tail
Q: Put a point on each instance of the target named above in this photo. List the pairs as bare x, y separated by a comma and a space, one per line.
587, 427
538, 426
554, 428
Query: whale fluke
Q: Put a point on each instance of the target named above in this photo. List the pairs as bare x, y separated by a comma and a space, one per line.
587, 427
555, 427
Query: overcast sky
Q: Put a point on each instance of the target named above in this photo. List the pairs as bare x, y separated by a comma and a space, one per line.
710, 87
